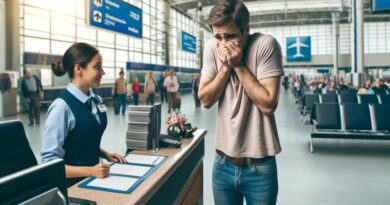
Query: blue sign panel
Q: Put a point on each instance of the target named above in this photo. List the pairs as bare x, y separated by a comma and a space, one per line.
115, 15
188, 42
380, 6
298, 48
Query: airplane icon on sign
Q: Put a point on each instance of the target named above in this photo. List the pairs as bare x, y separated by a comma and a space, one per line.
298, 45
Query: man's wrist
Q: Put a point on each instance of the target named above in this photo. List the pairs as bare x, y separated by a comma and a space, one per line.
239, 67
225, 69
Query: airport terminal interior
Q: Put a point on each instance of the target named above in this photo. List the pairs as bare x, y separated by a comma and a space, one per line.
332, 117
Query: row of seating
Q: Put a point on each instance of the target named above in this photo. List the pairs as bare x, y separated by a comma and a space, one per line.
53, 93
310, 99
350, 121
104, 92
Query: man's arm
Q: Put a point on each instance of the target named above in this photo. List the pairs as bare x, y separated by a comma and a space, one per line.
39, 84
211, 89
264, 93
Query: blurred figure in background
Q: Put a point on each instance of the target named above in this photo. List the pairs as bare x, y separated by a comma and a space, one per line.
120, 93
195, 89
366, 89
135, 89
162, 89
172, 86
32, 91
150, 88
380, 88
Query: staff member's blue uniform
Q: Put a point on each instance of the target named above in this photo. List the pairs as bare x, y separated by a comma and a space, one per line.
73, 130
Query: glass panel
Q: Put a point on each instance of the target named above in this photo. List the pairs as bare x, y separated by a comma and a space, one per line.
59, 48
37, 45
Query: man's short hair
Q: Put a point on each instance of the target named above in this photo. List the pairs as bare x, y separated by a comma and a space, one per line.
229, 11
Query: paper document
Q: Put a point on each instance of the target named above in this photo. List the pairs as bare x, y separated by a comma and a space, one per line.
113, 182
129, 169
144, 159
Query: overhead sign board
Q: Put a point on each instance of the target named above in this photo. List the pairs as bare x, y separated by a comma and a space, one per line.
115, 15
188, 42
298, 48
380, 6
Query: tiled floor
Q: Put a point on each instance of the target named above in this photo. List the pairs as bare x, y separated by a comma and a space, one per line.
340, 172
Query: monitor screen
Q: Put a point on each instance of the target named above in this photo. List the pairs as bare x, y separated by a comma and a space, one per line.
28, 183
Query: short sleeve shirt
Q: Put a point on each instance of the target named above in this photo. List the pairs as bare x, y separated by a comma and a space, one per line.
242, 129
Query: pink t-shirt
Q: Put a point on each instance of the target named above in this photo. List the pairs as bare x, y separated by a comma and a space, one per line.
242, 129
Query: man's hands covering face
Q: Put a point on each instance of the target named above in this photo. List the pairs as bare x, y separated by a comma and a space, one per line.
229, 53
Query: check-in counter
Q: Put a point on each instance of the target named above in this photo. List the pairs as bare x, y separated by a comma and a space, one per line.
179, 180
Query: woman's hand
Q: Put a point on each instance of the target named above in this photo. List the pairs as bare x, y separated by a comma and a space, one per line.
115, 157
100, 170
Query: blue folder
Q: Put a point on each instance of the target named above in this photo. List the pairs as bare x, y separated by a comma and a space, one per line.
139, 179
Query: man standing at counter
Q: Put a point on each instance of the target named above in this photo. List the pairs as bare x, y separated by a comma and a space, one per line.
242, 72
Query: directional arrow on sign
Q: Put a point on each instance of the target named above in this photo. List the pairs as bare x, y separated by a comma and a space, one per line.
98, 3
97, 16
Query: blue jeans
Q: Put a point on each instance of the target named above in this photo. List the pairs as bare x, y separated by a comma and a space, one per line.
135, 98
120, 101
150, 99
258, 183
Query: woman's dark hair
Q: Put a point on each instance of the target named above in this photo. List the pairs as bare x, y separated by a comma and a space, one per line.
78, 53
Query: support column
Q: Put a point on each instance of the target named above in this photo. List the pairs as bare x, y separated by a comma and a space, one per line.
2, 36
12, 34
336, 43
357, 44
200, 36
167, 30
9, 51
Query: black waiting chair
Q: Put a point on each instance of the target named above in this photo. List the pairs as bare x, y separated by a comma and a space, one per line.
327, 116
348, 98
381, 116
15, 151
357, 117
369, 99
329, 98
385, 99
309, 101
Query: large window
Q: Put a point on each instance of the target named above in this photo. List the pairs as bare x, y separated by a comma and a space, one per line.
178, 57
376, 37
51, 26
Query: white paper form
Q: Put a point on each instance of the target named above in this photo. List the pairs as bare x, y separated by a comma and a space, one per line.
144, 159
129, 169
113, 182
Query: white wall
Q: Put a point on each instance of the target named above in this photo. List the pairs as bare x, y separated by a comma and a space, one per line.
2, 35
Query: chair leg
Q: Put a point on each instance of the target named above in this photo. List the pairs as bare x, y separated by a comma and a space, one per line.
311, 145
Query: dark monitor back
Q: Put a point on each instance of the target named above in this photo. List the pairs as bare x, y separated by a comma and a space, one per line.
25, 184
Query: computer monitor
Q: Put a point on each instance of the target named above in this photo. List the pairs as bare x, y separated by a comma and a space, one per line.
35, 185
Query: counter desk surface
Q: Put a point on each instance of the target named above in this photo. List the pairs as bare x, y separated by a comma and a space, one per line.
148, 188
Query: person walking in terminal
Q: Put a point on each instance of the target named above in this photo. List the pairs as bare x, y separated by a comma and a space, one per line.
242, 72
150, 88
172, 86
32, 91
120, 92
135, 86
195, 89
162, 88
76, 120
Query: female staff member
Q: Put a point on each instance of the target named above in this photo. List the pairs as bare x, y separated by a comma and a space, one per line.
76, 120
